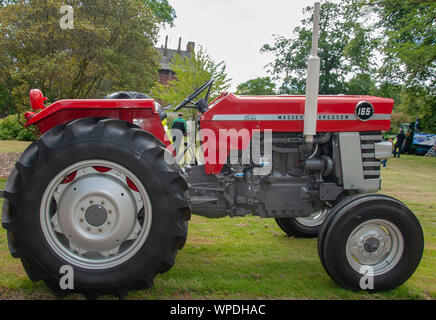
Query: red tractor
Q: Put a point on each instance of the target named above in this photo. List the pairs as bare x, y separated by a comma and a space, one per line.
99, 190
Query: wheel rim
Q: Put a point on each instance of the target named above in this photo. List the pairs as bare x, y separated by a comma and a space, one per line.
377, 244
95, 214
315, 220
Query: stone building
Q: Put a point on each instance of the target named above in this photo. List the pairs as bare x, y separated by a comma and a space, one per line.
165, 72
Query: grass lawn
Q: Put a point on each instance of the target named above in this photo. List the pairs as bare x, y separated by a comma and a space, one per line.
250, 258
13, 146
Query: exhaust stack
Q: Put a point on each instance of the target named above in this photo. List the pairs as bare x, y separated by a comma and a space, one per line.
312, 82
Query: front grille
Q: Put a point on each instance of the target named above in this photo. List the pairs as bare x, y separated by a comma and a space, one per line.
371, 166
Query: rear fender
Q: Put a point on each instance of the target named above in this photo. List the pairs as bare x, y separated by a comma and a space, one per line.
141, 112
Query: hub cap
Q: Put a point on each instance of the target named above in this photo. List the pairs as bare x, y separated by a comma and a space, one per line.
375, 243
95, 214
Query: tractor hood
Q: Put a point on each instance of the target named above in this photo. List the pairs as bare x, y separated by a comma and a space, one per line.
286, 113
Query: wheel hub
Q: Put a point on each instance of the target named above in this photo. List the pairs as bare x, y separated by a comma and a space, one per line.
96, 215
97, 212
375, 243
97, 220
371, 245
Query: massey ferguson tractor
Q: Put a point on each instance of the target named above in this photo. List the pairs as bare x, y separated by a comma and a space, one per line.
100, 190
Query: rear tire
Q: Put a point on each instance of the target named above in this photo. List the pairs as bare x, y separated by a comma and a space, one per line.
371, 235
149, 218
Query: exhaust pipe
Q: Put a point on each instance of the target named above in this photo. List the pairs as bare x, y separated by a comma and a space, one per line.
312, 81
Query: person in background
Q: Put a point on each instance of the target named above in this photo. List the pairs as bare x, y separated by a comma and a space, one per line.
178, 124
401, 139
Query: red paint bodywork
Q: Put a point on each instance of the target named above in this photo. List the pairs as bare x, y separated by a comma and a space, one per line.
142, 112
229, 104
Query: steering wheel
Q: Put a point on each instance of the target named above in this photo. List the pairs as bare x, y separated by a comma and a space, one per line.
199, 104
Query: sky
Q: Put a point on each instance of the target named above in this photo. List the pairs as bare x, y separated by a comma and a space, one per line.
234, 31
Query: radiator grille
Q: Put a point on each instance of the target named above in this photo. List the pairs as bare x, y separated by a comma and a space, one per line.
371, 166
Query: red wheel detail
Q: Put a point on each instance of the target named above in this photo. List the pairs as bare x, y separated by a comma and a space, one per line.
69, 178
102, 169
131, 185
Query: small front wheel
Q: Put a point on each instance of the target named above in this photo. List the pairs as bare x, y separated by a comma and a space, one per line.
372, 243
303, 227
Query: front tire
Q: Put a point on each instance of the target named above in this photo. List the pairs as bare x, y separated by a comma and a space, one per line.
373, 236
96, 195
303, 227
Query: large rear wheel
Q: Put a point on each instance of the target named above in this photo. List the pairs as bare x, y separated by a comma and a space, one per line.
96, 195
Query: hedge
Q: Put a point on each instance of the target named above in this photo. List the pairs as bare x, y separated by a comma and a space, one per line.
11, 129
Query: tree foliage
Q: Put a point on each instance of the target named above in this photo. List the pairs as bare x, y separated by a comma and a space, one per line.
408, 37
258, 86
110, 48
344, 48
162, 10
191, 73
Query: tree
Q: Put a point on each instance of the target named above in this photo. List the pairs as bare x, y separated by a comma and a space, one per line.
408, 37
258, 86
162, 10
418, 103
110, 48
344, 48
191, 73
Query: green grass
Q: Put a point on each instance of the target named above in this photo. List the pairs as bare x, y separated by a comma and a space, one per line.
13, 146
250, 258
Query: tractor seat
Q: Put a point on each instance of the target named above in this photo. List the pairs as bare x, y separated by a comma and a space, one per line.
128, 95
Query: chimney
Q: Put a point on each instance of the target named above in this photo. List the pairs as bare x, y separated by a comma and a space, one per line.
180, 45
166, 47
190, 46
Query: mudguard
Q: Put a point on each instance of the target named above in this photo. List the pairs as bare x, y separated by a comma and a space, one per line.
141, 112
